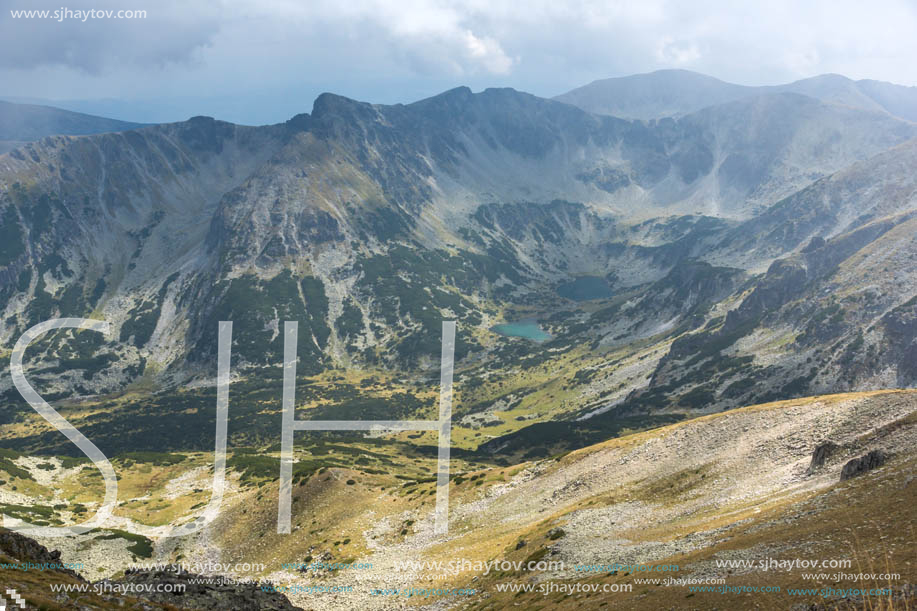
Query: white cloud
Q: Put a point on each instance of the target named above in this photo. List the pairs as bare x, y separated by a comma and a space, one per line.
488, 52
427, 34
677, 53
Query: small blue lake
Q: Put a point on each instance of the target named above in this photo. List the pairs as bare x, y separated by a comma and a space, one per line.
528, 329
585, 288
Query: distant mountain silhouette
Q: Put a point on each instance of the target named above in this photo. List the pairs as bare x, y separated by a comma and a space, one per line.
21, 123
667, 93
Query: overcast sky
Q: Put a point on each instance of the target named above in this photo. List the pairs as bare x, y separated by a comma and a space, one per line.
262, 61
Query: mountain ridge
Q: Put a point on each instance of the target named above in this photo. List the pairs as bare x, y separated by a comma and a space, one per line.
676, 92
21, 123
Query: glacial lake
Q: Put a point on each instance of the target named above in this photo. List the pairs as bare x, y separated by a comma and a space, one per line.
529, 329
585, 288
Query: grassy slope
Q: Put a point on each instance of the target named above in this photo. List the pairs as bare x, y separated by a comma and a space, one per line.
373, 502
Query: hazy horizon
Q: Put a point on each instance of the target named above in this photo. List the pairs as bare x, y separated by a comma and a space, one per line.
258, 63
169, 111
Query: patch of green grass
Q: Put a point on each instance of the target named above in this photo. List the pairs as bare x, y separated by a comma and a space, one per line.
140, 546
159, 459
254, 467
6, 464
29, 513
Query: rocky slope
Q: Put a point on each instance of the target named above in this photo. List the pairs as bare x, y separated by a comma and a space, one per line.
751, 484
185, 591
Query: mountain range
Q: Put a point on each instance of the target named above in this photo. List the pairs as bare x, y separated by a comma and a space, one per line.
668, 93
755, 249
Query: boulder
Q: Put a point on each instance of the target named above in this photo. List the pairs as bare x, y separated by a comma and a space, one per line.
822, 453
865, 463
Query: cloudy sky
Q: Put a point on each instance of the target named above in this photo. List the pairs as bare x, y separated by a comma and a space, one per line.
260, 61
